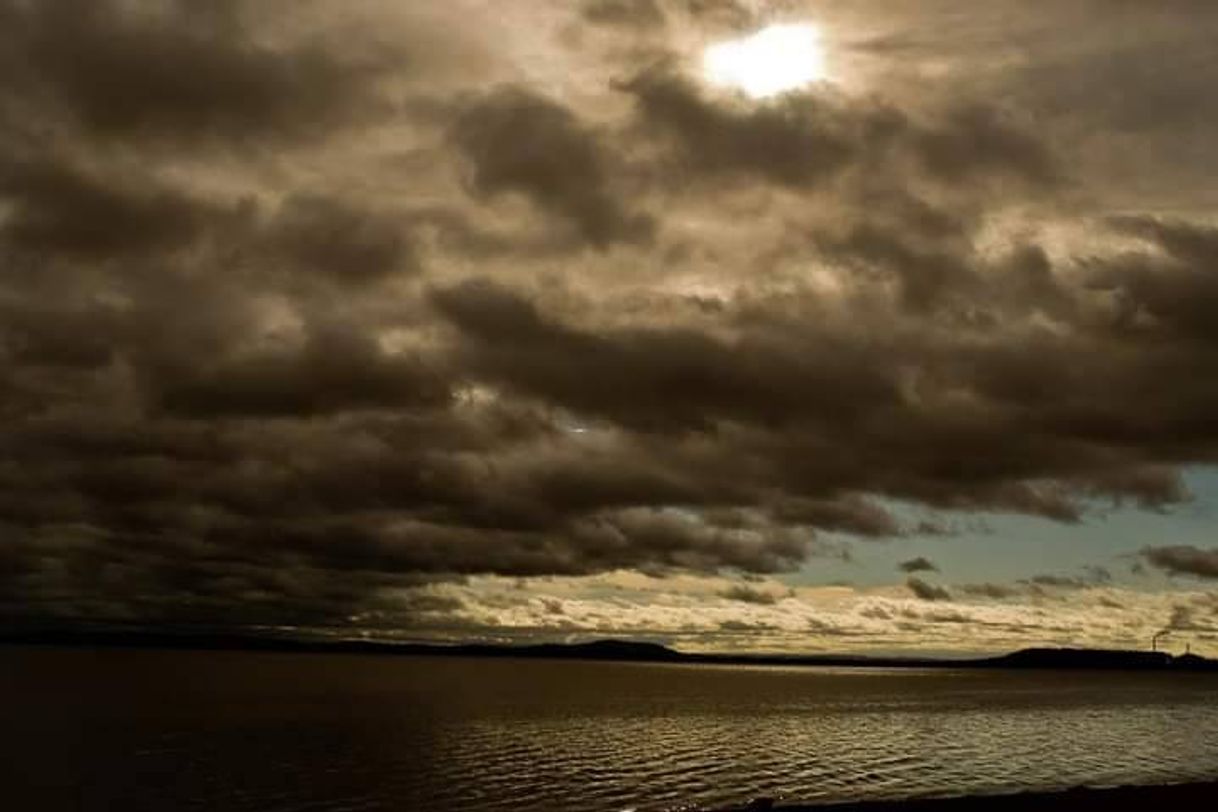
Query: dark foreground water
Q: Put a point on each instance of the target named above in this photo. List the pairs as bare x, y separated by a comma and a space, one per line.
136, 730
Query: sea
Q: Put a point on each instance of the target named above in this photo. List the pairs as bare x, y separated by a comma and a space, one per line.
129, 730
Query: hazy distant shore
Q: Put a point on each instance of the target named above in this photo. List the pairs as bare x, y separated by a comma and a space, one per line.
613, 651
1073, 800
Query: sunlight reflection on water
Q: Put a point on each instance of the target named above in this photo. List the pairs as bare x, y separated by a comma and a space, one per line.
271, 732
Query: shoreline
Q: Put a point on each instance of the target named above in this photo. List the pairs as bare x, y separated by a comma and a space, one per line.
1203, 794
610, 650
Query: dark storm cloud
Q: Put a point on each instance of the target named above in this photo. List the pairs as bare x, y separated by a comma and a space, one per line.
48, 336
81, 573
919, 564
335, 370
926, 591
337, 239
670, 377
627, 13
793, 142
802, 140
1183, 559
976, 140
802, 382
252, 384
197, 456
518, 141
672, 541
1161, 110
176, 70
61, 209
189, 517
1169, 291
846, 513
926, 274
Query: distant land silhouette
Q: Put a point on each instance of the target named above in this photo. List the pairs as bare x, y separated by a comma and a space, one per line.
611, 650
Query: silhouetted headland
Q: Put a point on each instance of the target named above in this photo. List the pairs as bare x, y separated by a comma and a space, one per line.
611, 650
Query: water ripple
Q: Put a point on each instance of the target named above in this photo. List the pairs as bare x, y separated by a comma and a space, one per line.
363, 734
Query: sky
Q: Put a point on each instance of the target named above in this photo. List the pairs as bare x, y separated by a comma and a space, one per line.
749, 326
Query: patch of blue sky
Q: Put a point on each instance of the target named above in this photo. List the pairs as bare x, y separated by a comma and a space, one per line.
1004, 547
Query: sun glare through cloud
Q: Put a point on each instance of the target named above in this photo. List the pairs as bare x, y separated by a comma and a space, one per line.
775, 60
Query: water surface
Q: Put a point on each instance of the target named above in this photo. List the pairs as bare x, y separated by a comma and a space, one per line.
141, 730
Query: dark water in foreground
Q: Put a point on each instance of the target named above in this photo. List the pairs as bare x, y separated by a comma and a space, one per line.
116, 730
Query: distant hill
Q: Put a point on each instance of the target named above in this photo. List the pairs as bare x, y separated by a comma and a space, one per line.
1100, 659
624, 650
608, 650
1086, 658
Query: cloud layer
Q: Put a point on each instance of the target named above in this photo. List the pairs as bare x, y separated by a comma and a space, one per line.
308, 309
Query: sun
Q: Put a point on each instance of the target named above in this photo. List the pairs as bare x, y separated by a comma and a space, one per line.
774, 60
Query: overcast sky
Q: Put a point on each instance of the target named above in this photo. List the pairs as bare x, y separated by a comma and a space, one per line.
502, 321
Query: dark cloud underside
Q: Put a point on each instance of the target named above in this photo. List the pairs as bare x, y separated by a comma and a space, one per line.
298, 318
1182, 559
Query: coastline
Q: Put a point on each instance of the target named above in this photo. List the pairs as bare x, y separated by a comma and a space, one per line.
1086, 799
609, 650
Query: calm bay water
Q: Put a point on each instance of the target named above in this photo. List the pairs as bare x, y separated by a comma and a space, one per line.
136, 730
